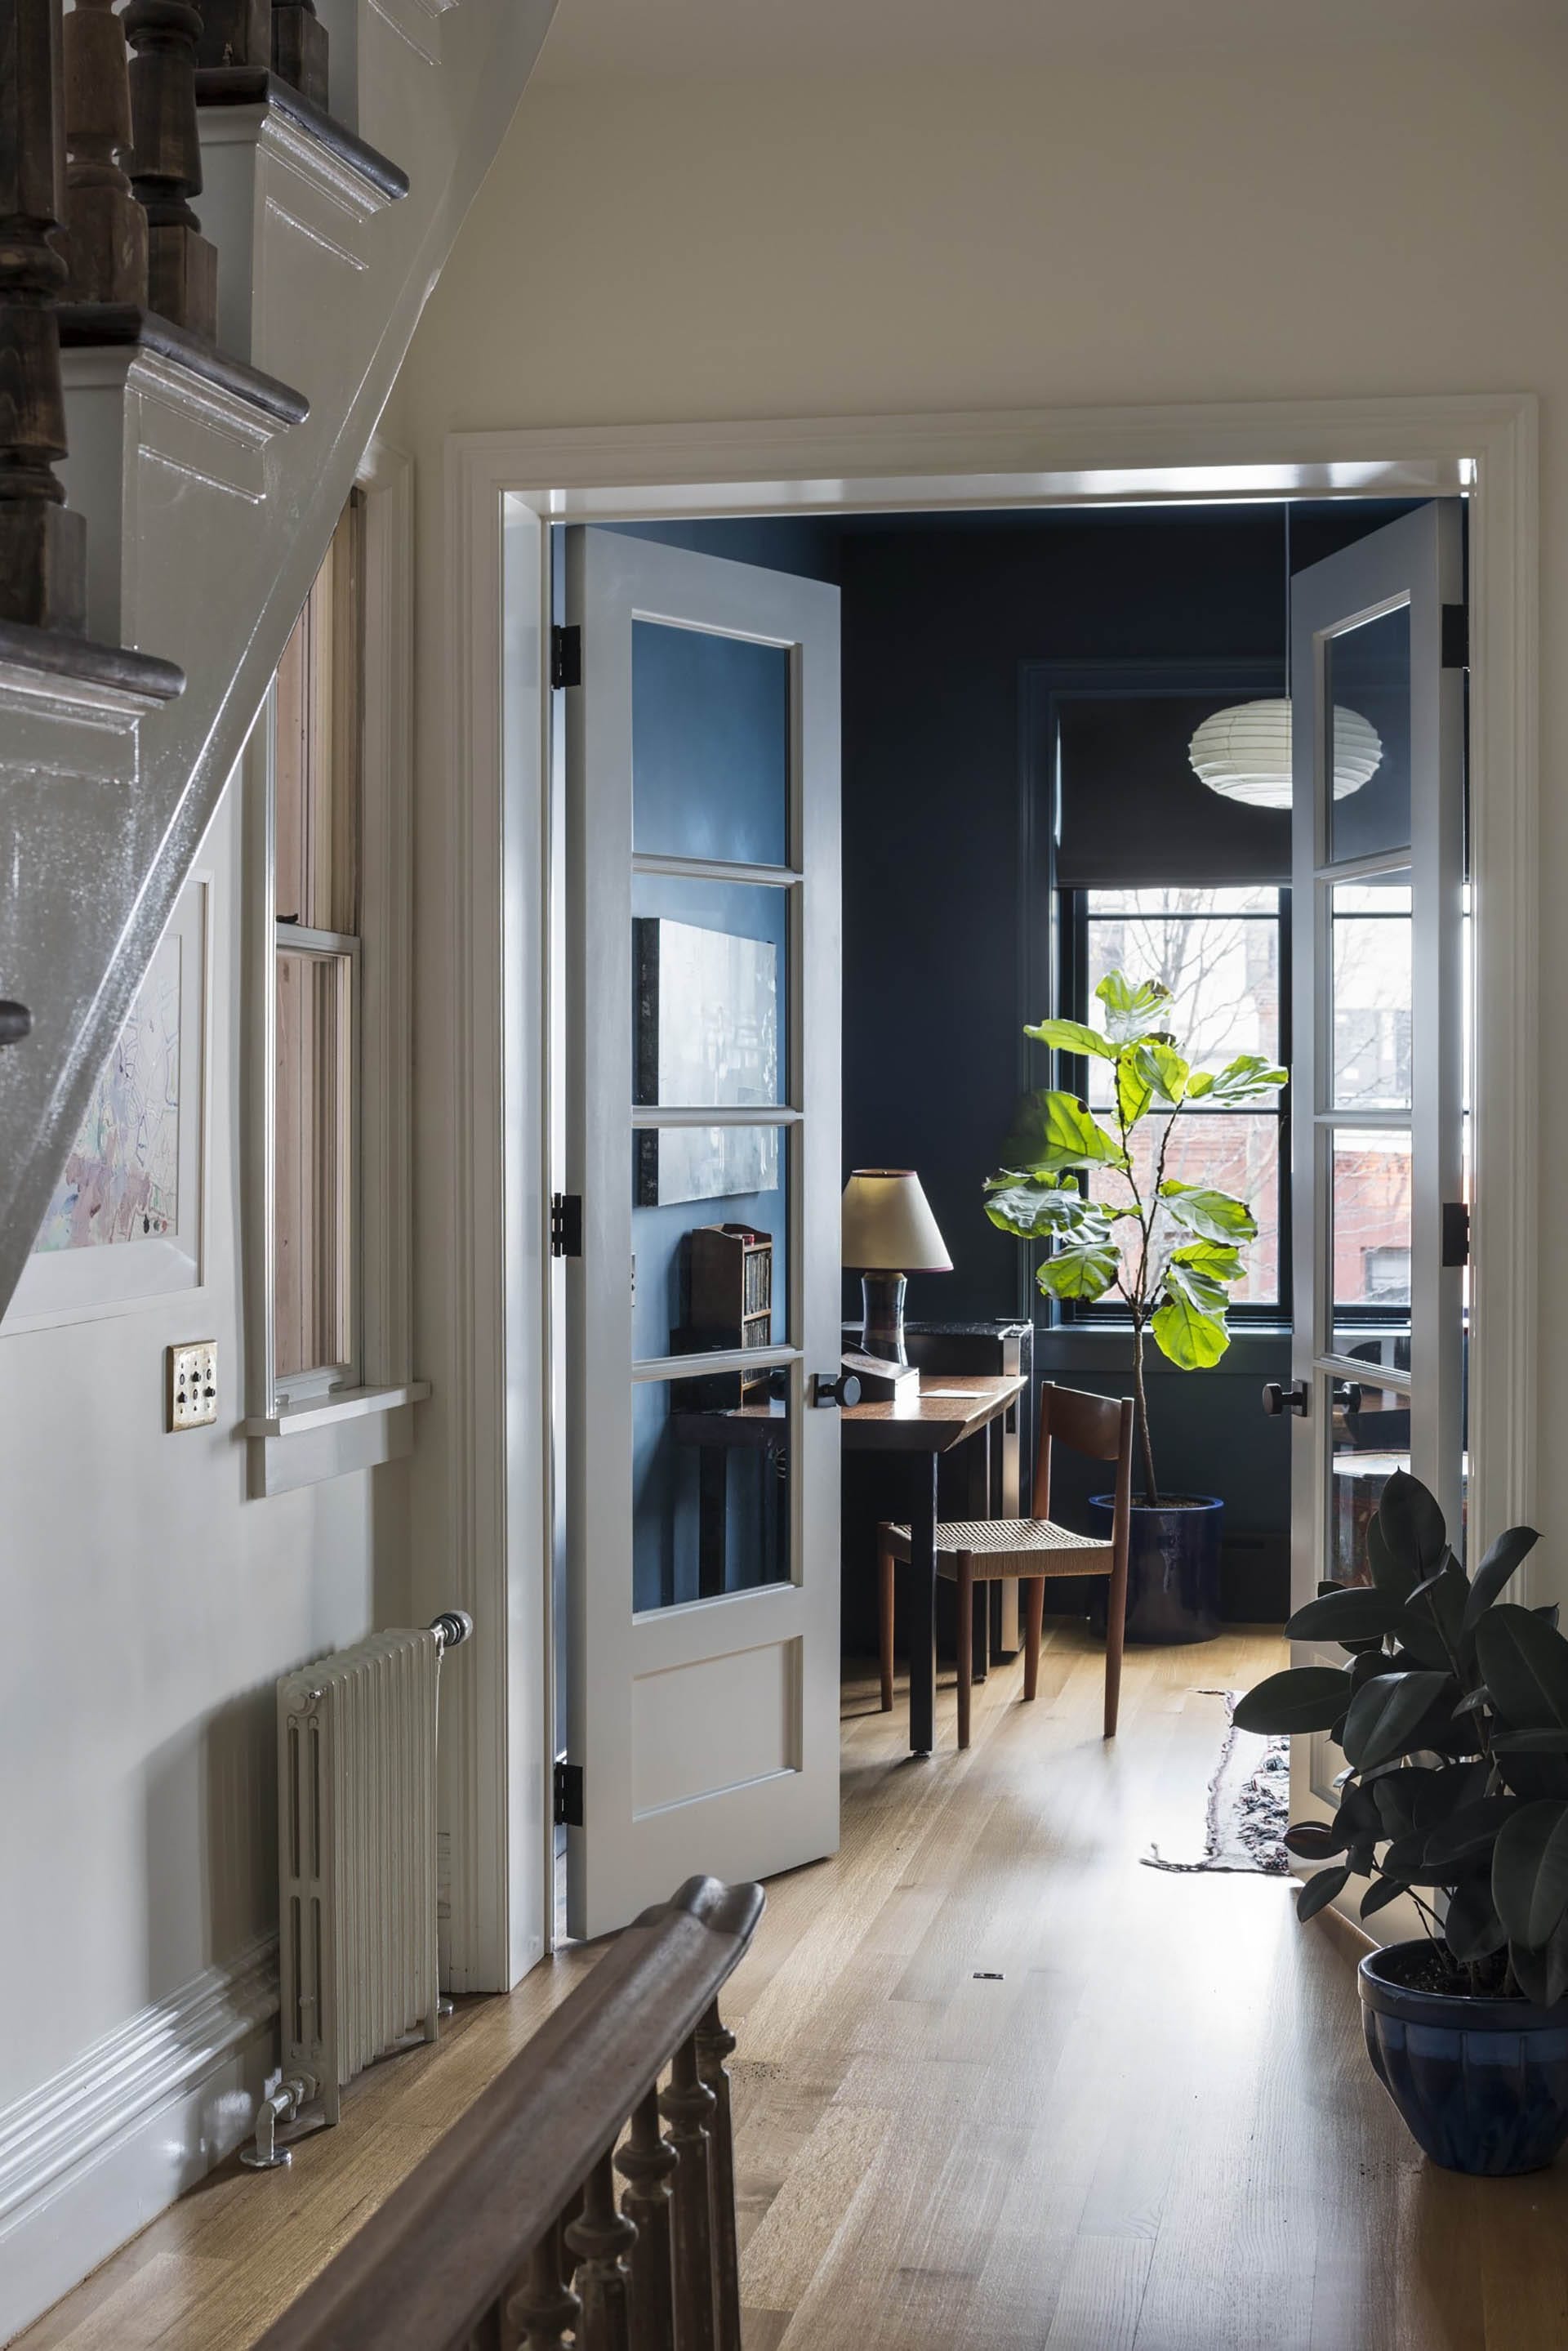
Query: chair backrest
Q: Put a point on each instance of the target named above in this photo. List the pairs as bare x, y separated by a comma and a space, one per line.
1100, 1426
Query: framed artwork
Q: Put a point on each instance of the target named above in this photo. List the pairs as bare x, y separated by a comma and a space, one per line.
707, 1032
127, 1219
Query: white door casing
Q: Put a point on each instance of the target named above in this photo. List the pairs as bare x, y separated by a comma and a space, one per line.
707, 1733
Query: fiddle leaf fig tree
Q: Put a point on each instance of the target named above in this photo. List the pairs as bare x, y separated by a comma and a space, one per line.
1113, 1221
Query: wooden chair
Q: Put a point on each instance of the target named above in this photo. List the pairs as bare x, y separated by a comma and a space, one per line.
982, 1551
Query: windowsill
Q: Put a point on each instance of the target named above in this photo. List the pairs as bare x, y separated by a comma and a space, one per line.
330, 1411
1255, 1346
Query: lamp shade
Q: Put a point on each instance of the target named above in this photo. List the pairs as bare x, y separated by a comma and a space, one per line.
888, 1226
1244, 753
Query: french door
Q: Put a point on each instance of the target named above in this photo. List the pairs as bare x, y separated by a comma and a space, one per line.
1378, 1082
703, 1142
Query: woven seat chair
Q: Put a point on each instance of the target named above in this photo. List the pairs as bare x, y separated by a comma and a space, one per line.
982, 1551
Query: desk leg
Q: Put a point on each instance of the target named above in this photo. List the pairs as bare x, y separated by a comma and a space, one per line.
712, 1518
923, 1605
979, 1507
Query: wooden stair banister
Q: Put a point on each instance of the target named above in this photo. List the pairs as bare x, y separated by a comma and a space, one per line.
166, 161
471, 2249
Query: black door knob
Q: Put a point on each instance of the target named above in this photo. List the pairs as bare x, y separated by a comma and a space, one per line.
1278, 1400
835, 1388
16, 1021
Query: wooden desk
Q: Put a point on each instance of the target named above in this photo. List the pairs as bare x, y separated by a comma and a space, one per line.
949, 1408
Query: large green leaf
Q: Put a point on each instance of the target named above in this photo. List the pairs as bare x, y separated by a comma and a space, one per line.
1385, 1712
1470, 1830
1133, 1012
1302, 1697
1189, 1278
1221, 1260
1034, 1208
1439, 1603
1190, 1338
1379, 1894
1530, 1871
1054, 1133
1134, 1091
1525, 1664
1390, 1574
1411, 1525
1083, 1269
1246, 1076
1163, 1071
1352, 1611
1214, 1216
1543, 1974
1471, 1927
1495, 1570
1071, 1037
1319, 1891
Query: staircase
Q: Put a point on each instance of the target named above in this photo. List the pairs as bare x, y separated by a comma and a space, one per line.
208, 278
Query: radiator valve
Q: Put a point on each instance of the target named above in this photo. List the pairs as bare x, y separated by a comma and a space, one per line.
281, 2105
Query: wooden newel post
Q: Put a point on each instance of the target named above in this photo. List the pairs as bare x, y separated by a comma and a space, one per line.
166, 161
715, 2042
43, 545
235, 33
299, 48
105, 243
689, 2107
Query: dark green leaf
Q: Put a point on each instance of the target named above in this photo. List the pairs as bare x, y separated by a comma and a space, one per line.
1470, 1830
1071, 1037
1379, 1894
1471, 1927
1315, 1840
1054, 1133
1302, 1697
1388, 1573
1525, 1664
1132, 1012
1349, 1611
1495, 1571
1385, 1711
1406, 1859
1542, 1974
1319, 1891
1536, 1775
1530, 1871
1412, 1525
1530, 1743
1549, 1609
1440, 1602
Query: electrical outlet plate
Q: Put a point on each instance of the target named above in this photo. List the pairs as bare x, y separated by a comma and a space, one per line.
192, 1385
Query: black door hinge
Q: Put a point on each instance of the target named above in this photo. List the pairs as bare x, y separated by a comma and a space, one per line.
565, 1224
565, 656
1456, 1233
1455, 636
568, 1796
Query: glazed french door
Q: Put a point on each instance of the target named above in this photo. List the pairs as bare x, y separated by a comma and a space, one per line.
1378, 1085
703, 1140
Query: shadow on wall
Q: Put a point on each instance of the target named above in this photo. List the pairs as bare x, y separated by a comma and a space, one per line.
211, 1831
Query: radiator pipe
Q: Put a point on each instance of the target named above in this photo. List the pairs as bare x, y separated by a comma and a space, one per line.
451, 1628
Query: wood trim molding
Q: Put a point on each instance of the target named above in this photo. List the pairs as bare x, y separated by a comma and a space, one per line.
1484, 446
90, 2155
1351, 1940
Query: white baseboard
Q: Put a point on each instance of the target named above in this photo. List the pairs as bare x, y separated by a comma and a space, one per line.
91, 2157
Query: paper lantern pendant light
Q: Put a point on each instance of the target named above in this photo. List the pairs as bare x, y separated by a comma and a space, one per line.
1244, 753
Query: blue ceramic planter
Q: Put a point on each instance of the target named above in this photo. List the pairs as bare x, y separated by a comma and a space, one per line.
1173, 1570
1482, 2085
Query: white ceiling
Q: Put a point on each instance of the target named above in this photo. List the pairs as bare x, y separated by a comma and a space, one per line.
599, 40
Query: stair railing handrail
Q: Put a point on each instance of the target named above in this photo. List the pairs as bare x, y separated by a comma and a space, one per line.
480, 2225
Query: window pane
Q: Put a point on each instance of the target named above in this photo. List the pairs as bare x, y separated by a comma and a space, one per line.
1229, 1150
710, 1236
1370, 1207
710, 992
1372, 995
317, 775
1371, 1439
311, 1301
1368, 679
709, 745
1222, 969
710, 1484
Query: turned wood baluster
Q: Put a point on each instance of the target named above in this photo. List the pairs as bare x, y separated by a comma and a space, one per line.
544, 2309
647, 2162
688, 2107
715, 2042
600, 2236
43, 546
106, 241
166, 161
299, 48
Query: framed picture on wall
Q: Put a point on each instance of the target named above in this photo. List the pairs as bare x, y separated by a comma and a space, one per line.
127, 1221
706, 1031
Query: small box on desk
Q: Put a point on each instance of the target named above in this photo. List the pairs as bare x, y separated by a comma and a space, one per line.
881, 1381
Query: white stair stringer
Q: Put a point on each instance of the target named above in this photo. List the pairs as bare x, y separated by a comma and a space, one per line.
207, 525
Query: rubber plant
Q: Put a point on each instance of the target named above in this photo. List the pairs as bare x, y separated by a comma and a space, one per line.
1453, 1714
1171, 1251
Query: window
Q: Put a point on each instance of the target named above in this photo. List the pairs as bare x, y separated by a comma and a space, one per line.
317, 775
1223, 953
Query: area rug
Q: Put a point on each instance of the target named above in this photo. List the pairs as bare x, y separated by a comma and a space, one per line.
1249, 1805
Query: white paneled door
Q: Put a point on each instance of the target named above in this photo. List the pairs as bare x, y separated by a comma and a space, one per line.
703, 1140
1379, 1179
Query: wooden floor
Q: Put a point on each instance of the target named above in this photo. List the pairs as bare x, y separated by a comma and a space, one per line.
997, 2086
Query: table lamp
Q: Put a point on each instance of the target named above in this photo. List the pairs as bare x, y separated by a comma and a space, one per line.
889, 1232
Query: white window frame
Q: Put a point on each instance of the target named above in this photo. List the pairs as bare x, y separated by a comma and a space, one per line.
307, 1429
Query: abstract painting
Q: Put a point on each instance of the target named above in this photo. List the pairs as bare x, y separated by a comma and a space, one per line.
707, 1032
122, 1182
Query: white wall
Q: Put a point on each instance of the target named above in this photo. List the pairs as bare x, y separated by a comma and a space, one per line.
148, 1608
1334, 221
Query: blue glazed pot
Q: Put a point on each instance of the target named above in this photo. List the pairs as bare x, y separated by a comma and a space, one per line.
1482, 2085
1173, 1570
